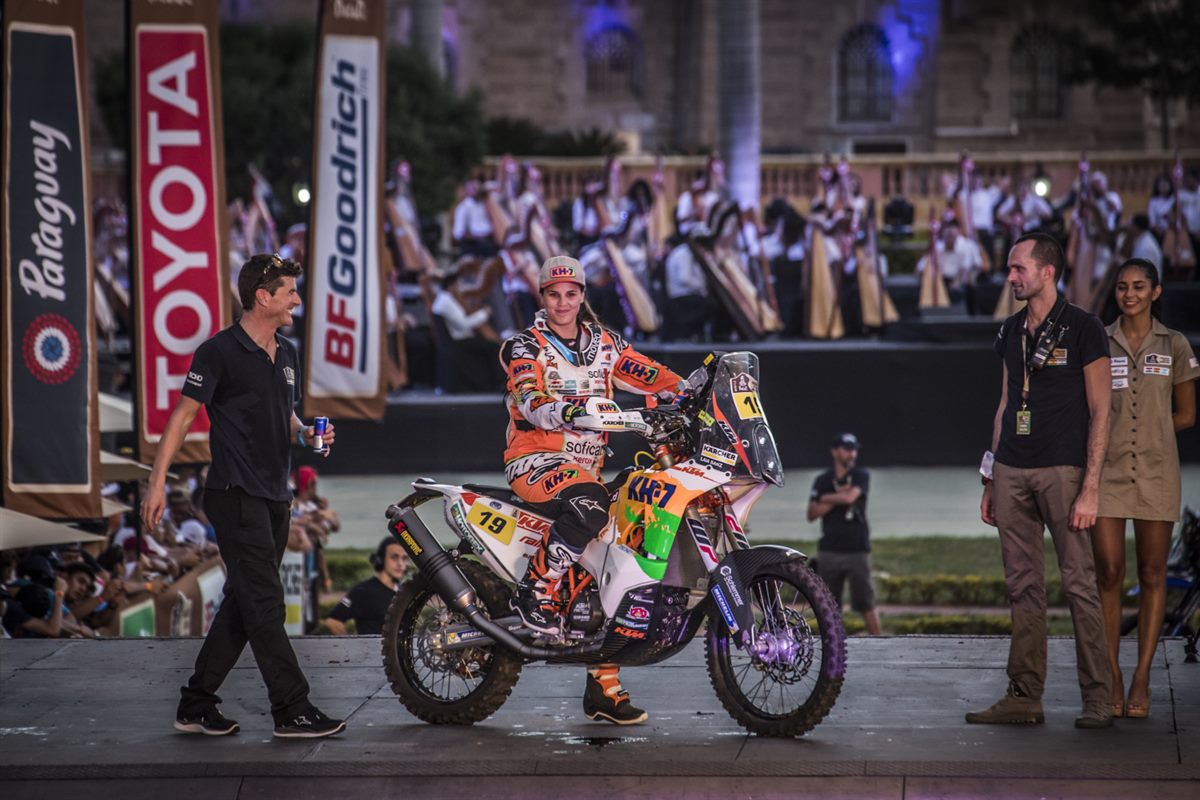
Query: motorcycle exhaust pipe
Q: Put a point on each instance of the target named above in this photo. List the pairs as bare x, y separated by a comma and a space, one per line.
431, 558
440, 570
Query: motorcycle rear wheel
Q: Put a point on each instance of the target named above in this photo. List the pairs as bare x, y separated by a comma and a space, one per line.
459, 687
788, 692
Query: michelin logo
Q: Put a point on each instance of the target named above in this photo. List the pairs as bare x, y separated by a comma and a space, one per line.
723, 605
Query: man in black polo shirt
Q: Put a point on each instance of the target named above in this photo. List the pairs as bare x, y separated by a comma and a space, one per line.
1049, 438
248, 378
839, 498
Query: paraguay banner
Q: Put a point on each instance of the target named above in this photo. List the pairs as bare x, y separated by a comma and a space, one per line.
344, 346
178, 223
51, 438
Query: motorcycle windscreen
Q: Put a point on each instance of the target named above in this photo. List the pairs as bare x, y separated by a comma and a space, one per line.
734, 433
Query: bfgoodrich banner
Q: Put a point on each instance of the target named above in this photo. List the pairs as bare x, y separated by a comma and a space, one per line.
345, 302
50, 435
180, 272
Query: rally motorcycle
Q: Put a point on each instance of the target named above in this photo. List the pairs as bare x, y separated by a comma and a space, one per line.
673, 556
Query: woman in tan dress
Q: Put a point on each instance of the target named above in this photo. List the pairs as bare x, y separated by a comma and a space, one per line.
1151, 367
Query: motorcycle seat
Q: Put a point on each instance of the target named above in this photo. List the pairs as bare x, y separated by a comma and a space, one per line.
505, 494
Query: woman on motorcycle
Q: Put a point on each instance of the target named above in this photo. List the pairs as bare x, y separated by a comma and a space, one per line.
553, 366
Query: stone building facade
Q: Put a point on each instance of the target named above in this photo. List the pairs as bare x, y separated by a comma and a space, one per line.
855, 76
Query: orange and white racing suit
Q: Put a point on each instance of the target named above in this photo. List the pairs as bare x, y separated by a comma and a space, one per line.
546, 374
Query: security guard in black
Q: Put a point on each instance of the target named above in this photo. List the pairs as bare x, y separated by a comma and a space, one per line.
1057, 399
250, 402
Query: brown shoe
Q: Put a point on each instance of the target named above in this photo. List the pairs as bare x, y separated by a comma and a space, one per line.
1095, 716
1015, 708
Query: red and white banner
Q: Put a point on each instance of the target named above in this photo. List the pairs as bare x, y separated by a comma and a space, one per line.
180, 270
48, 408
345, 340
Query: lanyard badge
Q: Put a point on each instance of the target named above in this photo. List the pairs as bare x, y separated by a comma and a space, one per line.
1052, 334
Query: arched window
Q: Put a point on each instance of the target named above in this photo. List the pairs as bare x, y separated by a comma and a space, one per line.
613, 64
1037, 73
866, 78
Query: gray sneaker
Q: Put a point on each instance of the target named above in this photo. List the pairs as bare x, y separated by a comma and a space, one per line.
1015, 708
1095, 716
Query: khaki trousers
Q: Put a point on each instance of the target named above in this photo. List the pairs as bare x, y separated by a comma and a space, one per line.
1026, 502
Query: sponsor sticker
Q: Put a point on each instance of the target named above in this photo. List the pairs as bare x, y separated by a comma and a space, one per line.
1120, 383
743, 383
1119, 361
731, 584
1149, 370
723, 605
558, 478
705, 418
632, 623
530, 522
629, 633
642, 373
1158, 360
1193, 363
638, 612
717, 454
1058, 358
1118, 371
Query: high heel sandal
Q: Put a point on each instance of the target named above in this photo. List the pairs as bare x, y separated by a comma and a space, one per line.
1118, 710
1137, 710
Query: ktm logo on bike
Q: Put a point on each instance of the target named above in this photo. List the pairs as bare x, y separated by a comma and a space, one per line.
557, 479
531, 523
629, 633
640, 372
644, 490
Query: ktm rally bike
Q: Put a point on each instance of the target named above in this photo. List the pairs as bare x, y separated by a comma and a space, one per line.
673, 557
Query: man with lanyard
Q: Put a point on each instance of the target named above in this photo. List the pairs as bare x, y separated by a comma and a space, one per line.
248, 379
1049, 437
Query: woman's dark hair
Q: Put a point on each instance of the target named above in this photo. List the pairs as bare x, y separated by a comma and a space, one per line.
1148, 269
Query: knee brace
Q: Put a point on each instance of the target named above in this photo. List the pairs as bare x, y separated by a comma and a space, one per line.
584, 513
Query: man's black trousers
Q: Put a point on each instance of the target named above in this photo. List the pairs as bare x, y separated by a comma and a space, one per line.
252, 535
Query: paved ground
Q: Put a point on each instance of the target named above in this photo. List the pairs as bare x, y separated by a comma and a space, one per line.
88, 719
904, 501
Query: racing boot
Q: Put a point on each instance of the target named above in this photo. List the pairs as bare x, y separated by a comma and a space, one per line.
536, 600
605, 699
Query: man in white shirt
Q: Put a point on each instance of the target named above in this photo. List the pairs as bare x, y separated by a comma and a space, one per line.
468, 361
687, 308
472, 228
1024, 211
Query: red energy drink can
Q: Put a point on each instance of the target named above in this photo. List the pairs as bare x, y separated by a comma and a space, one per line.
320, 425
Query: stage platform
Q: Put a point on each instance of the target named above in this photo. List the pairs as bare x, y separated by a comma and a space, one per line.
84, 719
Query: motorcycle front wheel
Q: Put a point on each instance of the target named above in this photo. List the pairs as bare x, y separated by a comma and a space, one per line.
788, 675
456, 687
